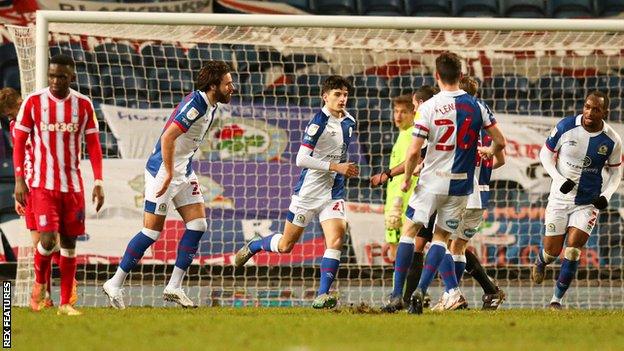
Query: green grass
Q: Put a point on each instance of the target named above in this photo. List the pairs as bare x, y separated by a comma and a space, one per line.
306, 329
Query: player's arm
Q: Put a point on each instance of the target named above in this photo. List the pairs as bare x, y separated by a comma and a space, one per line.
94, 149
614, 171
412, 159
167, 149
422, 124
548, 154
21, 132
498, 140
305, 160
499, 159
491, 128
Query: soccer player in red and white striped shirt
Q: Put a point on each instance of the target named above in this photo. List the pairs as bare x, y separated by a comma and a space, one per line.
54, 120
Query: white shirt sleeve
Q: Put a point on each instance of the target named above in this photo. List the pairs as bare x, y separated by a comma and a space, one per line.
305, 160
614, 168
547, 158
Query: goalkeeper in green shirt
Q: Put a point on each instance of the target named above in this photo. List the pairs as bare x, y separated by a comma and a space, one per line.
404, 109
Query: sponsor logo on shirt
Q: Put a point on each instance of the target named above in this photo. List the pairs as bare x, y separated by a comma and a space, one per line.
59, 127
587, 162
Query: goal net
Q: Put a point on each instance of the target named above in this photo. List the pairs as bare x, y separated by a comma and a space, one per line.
136, 74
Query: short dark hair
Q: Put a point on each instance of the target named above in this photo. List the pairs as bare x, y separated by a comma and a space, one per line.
211, 74
426, 92
62, 59
469, 85
448, 67
8, 99
599, 94
335, 82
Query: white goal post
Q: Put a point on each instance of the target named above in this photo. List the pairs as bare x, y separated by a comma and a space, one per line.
138, 66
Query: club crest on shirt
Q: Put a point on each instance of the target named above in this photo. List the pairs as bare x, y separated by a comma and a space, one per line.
312, 129
551, 227
162, 208
192, 114
586, 161
602, 150
300, 218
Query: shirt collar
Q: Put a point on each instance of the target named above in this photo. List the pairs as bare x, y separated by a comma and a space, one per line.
452, 93
203, 95
578, 122
346, 114
55, 99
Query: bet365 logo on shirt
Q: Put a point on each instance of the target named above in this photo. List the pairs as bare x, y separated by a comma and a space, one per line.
58, 127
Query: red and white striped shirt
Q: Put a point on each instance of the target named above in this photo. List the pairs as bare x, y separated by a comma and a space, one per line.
55, 129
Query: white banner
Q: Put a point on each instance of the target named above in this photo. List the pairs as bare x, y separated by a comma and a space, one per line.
136, 130
190, 6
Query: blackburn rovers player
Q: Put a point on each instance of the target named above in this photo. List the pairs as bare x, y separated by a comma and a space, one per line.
450, 123
320, 189
578, 152
170, 178
473, 216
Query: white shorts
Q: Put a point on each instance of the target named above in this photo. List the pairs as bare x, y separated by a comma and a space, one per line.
469, 224
562, 214
301, 213
450, 209
182, 191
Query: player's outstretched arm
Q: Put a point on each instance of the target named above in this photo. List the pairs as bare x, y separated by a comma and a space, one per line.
412, 159
388, 174
167, 147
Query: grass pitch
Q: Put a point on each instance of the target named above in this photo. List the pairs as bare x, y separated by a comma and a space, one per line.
306, 329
